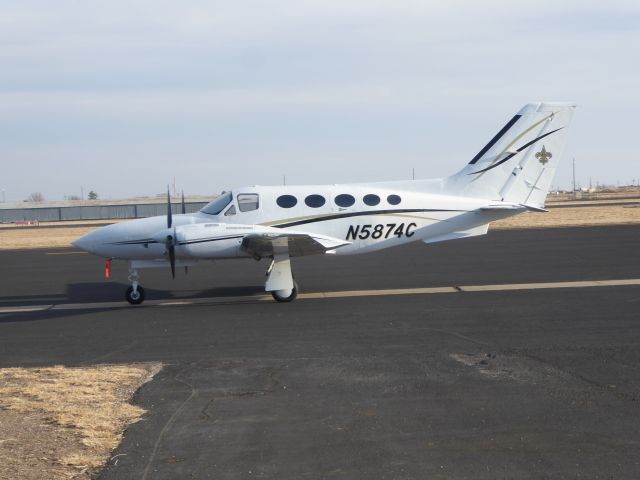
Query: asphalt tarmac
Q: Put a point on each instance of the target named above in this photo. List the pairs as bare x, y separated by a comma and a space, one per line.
526, 383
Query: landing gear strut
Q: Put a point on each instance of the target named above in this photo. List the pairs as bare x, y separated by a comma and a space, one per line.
135, 293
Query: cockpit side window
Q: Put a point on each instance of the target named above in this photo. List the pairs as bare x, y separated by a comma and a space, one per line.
248, 201
230, 211
219, 204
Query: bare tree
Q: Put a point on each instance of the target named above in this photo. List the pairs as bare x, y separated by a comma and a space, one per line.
35, 197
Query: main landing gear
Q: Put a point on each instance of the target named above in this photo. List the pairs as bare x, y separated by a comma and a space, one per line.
280, 280
135, 293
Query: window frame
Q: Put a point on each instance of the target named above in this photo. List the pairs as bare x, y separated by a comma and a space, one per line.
257, 203
219, 198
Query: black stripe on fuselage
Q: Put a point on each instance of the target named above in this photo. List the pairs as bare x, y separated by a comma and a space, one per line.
359, 214
495, 139
135, 242
188, 242
526, 145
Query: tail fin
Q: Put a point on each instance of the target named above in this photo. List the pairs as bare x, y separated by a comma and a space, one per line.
519, 163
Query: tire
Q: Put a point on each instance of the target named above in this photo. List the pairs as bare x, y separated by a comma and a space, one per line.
285, 296
135, 299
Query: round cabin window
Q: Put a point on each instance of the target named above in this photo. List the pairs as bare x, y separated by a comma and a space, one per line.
287, 201
371, 200
344, 200
394, 199
314, 201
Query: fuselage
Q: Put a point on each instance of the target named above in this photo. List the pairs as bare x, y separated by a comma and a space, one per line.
367, 216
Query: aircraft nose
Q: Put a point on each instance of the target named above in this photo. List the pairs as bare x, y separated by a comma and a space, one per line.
87, 242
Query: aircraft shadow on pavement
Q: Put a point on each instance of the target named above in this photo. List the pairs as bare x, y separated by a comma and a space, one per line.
114, 292
79, 293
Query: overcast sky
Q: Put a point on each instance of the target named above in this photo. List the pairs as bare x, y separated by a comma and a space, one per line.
121, 96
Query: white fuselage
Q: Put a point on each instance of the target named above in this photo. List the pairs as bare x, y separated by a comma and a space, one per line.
380, 217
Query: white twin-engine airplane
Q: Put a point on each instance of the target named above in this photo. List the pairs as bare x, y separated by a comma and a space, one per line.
510, 175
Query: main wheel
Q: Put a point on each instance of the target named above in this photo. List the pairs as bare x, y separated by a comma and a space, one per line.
135, 298
285, 295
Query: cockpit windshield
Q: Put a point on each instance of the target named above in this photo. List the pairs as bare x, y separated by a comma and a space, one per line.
219, 204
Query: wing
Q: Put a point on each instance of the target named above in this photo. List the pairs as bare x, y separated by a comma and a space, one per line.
296, 244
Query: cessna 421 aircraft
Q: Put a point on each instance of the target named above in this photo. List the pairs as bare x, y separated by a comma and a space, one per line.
510, 175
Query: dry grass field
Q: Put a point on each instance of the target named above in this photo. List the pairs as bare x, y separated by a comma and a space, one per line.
64, 422
41, 237
573, 217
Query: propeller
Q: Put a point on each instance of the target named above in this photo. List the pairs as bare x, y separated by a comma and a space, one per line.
184, 210
170, 241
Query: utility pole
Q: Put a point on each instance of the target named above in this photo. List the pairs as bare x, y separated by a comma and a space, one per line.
4, 199
284, 179
413, 173
81, 193
574, 177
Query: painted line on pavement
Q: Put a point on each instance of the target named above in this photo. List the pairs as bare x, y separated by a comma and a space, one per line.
27, 308
65, 253
376, 293
538, 286
320, 295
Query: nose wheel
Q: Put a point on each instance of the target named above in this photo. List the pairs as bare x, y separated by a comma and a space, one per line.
135, 297
135, 293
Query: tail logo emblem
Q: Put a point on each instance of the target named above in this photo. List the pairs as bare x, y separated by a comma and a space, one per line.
543, 156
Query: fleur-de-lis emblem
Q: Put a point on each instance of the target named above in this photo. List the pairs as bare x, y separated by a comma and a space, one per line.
543, 156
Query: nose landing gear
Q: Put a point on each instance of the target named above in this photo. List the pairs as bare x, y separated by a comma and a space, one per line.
135, 293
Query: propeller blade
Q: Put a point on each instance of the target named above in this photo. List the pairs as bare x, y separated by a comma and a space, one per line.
172, 260
169, 219
170, 245
184, 207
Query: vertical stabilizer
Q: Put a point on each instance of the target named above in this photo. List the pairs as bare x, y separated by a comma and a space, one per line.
519, 162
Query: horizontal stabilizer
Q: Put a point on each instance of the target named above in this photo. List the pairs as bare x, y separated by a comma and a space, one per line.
499, 207
534, 208
502, 206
